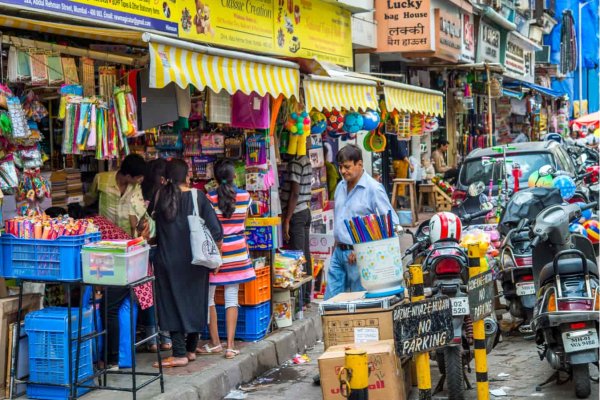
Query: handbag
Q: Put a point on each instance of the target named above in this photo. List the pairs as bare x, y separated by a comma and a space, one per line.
204, 249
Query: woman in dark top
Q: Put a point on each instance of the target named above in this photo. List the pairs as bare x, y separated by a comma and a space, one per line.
182, 288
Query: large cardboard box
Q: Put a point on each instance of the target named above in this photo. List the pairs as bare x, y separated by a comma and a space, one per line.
8, 315
352, 318
385, 379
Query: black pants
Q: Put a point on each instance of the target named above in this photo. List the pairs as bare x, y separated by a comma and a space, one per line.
300, 235
115, 296
184, 343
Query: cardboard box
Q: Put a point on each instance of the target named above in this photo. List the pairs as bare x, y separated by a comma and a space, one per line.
385, 379
351, 318
8, 315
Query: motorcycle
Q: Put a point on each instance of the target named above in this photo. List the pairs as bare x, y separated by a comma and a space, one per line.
516, 275
565, 275
445, 264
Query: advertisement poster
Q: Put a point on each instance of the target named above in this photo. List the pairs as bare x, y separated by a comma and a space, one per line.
302, 28
403, 26
468, 39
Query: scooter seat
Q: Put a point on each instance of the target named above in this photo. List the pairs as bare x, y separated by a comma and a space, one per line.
567, 266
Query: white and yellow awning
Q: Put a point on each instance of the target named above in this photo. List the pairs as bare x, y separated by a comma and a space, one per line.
406, 98
348, 93
187, 63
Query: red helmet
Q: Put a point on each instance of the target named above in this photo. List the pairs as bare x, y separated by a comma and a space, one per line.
593, 178
444, 225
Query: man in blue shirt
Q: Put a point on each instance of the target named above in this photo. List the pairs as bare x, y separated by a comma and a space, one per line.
357, 195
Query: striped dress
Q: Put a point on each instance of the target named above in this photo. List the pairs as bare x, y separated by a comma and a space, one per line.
237, 267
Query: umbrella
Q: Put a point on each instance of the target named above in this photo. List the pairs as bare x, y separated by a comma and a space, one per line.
590, 120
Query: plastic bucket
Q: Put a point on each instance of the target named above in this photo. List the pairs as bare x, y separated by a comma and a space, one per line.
282, 309
380, 266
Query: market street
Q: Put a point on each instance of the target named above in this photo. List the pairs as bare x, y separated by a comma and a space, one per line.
514, 368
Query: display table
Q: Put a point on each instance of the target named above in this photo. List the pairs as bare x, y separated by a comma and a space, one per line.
427, 190
299, 285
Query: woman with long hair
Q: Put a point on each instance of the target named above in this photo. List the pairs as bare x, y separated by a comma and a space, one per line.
231, 205
182, 288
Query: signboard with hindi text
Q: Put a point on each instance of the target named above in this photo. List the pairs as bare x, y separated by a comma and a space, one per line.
403, 25
423, 326
488, 44
302, 28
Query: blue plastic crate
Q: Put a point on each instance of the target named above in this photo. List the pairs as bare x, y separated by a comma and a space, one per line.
49, 260
49, 348
252, 323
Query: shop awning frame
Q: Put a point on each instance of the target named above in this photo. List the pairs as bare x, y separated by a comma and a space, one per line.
339, 91
186, 63
513, 94
541, 89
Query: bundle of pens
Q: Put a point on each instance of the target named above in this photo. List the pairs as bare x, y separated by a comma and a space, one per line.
43, 227
370, 227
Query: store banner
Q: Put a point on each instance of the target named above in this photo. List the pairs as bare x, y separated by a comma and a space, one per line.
300, 28
488, 44
468, 38
403, 26
514, 58
448, 33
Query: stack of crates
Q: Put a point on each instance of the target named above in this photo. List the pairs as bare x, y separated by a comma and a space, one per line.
254, 312
47, 330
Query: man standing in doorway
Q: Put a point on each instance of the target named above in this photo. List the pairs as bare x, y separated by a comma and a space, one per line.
295, 201
357, 195
438, 157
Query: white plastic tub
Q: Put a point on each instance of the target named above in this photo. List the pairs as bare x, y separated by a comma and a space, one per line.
380, 266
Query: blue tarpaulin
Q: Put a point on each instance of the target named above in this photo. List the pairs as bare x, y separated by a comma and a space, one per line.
544, 90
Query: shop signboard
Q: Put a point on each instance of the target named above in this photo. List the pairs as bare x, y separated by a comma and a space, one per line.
468, 38
481, 295
514, 57
448, 32
306, 28
423, 326
403, 26
488, 44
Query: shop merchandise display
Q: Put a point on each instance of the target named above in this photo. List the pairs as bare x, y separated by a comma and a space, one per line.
288, 268
41, 226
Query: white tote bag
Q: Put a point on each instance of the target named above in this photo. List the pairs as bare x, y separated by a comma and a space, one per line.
204, 249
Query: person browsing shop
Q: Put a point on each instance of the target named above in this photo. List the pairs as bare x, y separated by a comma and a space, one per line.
358, 194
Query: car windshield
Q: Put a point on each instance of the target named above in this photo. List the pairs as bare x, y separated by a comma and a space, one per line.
474, 170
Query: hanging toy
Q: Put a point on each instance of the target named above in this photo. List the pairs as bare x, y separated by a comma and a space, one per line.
431, 124
318, 123
335, 123
299, 127
67, 91
371, 120
126, 110
353, 122
416, 124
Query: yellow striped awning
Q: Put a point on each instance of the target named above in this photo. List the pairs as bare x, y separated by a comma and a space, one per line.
231, 71
121, 36
324, 93
418, 100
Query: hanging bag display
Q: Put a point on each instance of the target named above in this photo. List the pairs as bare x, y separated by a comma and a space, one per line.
204, 249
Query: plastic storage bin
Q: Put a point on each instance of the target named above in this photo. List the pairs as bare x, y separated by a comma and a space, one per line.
110, 268
49, 349
48, 260
252, 325
251, 293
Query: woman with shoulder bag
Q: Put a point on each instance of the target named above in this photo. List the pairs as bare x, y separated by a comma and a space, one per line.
231, 205
182, 287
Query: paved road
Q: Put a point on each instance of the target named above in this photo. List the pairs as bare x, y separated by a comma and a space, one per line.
514, 356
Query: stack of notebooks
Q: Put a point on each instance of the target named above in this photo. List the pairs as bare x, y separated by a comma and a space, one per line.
59, 188
74, 186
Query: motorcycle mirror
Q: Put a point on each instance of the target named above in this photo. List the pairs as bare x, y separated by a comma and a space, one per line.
546, 170
476, 188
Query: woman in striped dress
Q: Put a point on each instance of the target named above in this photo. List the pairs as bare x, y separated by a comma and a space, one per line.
231, 205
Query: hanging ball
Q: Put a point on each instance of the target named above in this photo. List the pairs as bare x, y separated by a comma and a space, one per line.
353, 122
306, 121
592, 228
566, 185
335, 121
371, 120
319, 123
304, 114
578, 229
294, 129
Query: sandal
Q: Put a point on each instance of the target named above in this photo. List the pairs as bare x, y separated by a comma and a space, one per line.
171, 362
206, 350
231, 353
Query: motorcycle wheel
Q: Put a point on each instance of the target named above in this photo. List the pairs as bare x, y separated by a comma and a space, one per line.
453, 365
581, 378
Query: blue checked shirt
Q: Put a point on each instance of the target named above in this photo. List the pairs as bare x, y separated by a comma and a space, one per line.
367, 197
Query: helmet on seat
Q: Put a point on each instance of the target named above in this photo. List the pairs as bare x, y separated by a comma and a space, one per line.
444, 225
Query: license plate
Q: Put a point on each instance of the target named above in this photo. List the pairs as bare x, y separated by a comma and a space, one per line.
524, 289
460, 306
580, 340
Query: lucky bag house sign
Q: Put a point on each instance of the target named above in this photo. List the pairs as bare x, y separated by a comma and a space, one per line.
403, 25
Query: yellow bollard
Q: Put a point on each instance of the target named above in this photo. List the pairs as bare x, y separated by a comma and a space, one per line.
477, 265
354, 376
417, 293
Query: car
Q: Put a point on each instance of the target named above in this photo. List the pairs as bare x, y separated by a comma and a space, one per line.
530, 157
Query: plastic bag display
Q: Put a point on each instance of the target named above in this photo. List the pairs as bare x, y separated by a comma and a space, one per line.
20, 128
126, 111
9, 180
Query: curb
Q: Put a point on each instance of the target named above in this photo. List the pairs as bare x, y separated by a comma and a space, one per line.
256, 359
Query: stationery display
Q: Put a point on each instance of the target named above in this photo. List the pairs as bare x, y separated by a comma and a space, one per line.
370, 227
44, 227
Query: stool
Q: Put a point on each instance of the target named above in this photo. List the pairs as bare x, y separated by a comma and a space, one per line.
427, 189
410, 184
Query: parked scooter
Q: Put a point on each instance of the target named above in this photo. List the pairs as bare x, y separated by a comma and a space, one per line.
446, 265
565, 319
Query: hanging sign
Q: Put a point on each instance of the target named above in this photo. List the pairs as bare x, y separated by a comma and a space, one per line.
423, 326
448, 32
481, 295
514, 59
468, 39
488, 44
403, 25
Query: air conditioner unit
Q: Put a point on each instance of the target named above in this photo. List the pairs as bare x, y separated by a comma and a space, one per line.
543, 56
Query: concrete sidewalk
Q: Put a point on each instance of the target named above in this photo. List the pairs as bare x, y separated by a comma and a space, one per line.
213, 377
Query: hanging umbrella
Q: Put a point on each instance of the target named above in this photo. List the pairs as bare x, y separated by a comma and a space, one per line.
590, 120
